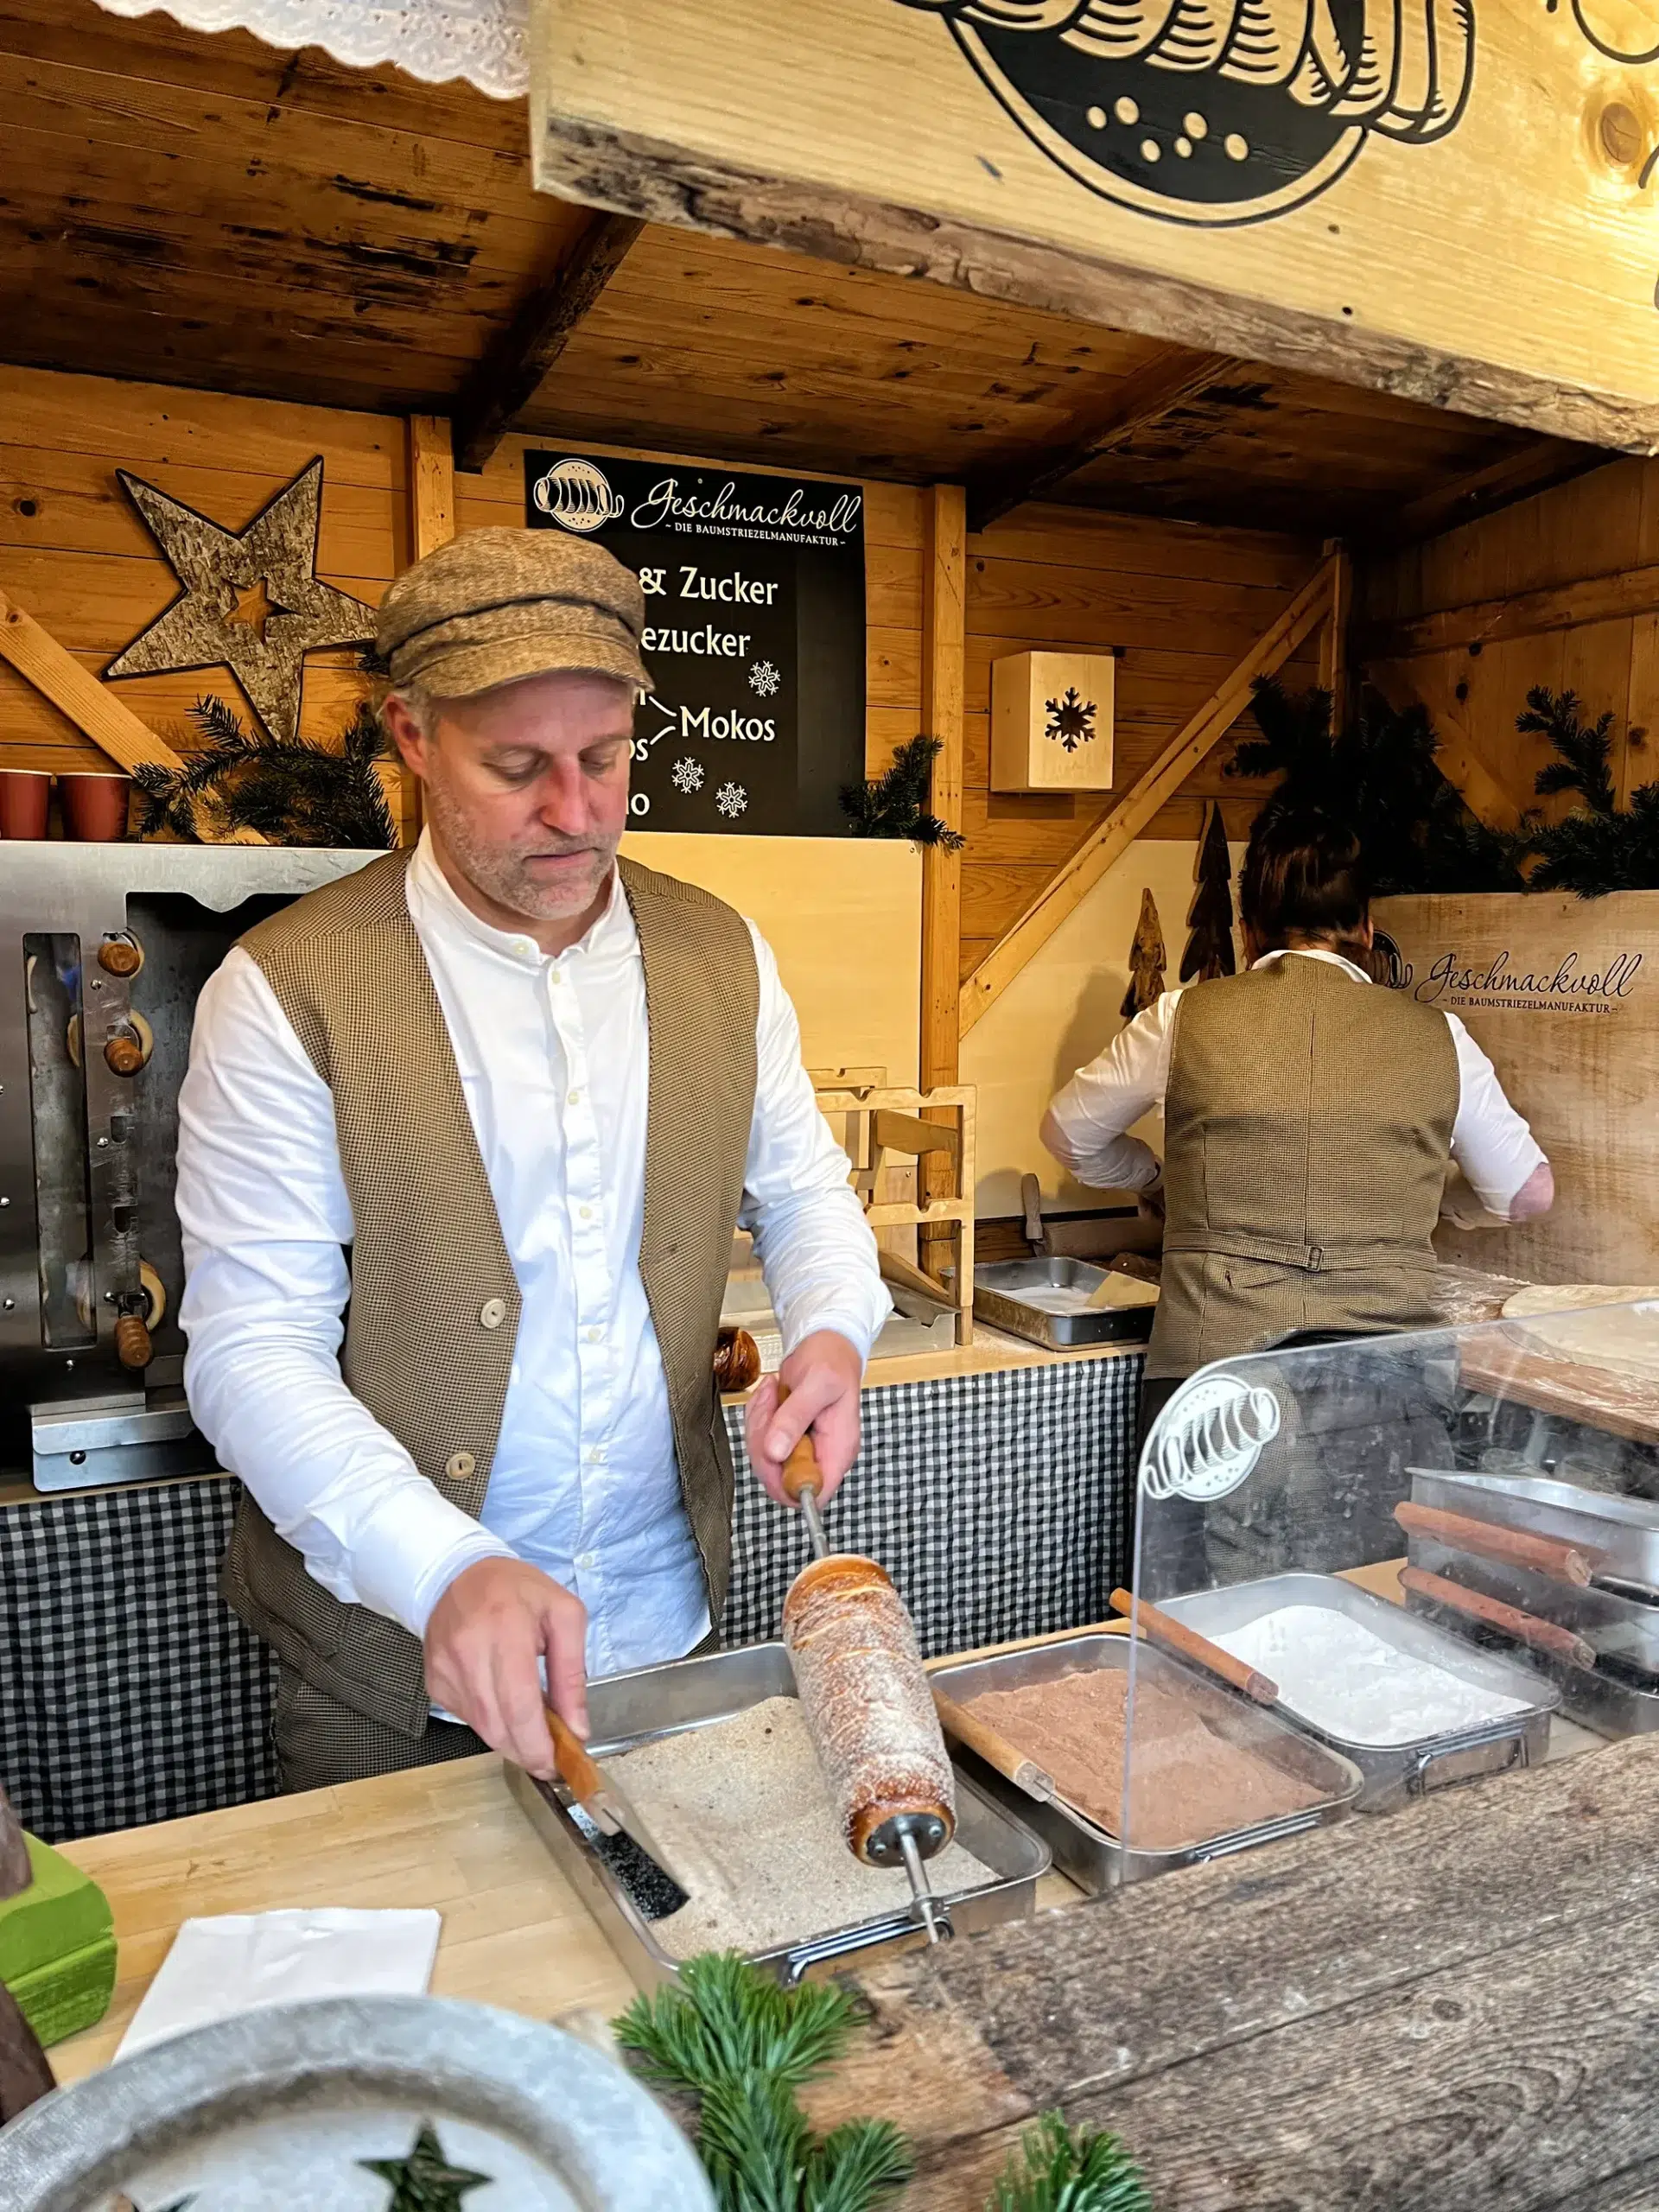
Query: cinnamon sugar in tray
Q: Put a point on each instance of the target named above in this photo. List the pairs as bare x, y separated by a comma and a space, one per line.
1191, 1783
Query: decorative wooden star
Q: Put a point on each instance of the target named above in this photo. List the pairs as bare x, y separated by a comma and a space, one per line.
251, 601
425, 2181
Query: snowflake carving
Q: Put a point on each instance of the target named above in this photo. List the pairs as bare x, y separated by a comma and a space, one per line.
732, 800
688, 776
764, 679
1070, 719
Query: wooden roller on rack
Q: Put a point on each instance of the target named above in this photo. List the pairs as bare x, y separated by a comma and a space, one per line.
865, 1698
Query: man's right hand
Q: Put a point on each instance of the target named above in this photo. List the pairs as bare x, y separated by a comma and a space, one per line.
485, 1642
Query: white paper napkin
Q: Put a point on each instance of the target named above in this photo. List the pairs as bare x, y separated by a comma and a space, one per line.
232, 1964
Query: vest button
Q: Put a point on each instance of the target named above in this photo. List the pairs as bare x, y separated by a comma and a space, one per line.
459, 1465
493, 1313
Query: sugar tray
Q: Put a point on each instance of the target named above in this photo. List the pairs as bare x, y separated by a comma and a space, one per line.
628, 1710
1096, 1860
1046, 1300
1395, 1772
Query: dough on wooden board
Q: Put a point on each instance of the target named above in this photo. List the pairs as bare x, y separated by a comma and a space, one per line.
1626, 1340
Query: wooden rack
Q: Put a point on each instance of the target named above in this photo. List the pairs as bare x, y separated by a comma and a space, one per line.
912, 1156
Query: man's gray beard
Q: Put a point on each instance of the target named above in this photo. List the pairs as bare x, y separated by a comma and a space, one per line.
504, 875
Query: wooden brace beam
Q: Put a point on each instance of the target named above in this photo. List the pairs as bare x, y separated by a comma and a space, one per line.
502, 385
1458, 758
1334, 638
1112, 837
1537, 467
1562, 607
1152, 392
91, 706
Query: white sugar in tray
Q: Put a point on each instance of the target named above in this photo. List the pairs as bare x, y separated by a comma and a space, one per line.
1056, 1298
1339, 1675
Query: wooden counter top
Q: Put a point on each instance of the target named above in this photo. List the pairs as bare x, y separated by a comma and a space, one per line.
515, 1934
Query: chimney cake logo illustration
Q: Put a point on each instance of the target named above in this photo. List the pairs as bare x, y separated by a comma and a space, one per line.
1217, 112
577, 494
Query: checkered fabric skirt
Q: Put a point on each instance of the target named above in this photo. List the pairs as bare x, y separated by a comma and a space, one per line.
129, 1693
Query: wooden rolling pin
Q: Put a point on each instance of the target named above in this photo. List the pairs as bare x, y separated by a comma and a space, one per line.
1561, 1563
1158, 1628
994, 1749
1526, 1628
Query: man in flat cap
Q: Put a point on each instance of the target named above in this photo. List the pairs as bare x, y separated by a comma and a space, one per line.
463, 1144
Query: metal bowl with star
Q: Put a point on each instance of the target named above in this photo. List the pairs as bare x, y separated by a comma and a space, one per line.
383, 2104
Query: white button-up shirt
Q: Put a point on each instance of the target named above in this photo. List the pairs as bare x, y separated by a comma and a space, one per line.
1087, 1126
553, 1057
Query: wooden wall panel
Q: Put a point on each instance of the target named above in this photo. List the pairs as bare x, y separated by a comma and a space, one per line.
1183, 604
74, 554
1600, 524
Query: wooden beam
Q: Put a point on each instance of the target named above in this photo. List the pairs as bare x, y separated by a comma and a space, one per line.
431, 484
1154, 389
1334, 638
908, 1133
1488, 621
993, 150
1111, 838
431, 523
91, 706
1458, 759
500, 385
1537, 467
944, 654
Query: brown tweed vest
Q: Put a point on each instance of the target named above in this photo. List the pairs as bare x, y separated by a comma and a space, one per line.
434, 1311
1307, 1127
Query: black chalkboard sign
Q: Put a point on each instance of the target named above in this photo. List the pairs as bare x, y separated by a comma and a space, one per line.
754, 638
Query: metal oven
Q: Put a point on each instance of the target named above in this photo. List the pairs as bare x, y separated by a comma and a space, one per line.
103, 950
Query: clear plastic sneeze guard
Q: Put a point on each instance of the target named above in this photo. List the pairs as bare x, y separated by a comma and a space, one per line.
1370, 1568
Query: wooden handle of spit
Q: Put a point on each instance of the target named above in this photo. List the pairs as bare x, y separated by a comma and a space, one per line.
993, 1748
1175, 1636
576, 1768
1526, 1628
801, 1469
1548, 1556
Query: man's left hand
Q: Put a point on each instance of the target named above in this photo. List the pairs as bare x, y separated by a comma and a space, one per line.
821, 1377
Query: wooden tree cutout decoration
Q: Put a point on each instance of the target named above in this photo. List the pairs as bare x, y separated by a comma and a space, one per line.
251, 600
1147, 957
1210, 918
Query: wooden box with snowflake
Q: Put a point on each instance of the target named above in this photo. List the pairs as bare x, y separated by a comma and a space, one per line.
1052, 723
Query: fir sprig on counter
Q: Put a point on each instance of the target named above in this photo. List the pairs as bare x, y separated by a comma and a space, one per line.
1059, 2170
291, 791
730, 2036
1601, 846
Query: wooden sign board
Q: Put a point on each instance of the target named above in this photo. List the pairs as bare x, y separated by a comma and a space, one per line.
1563, 995
1451, 200
1052, 721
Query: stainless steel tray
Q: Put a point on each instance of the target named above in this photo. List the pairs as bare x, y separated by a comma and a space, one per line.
1620, 1695
1621, 1533
628, 1710
1002, 1297
1096, 1860
1395, 1772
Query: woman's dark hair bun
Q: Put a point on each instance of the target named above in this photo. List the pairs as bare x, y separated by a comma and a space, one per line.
1304, 875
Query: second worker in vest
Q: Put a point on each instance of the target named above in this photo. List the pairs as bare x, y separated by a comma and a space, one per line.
1310, 1119
464, 1142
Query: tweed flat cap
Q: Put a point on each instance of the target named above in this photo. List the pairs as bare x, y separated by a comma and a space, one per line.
496, 605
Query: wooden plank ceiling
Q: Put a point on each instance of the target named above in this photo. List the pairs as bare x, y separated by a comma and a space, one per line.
209, 211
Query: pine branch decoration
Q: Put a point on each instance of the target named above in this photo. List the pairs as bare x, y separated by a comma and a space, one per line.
730, 2036
293, 791
1601, 846
895, 802
1057, 2170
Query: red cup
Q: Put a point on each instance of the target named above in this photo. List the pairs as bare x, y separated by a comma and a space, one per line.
23, 796
94, 807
